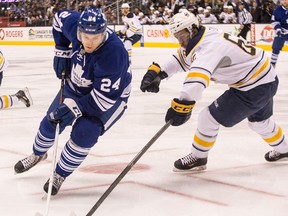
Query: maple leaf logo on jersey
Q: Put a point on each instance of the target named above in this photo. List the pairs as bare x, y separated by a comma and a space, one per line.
76, 77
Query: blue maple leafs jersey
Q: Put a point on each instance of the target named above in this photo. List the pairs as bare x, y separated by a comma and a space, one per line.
280, 19
97, 80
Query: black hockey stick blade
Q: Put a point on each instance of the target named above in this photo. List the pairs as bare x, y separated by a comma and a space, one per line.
127, 168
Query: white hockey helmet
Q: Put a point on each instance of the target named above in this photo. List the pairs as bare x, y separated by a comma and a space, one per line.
183, 20
125, 5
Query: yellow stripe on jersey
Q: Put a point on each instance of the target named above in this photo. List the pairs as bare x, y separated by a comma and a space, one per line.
133, 29
263, 67
199, 75
2, 60
6, 101
203, 142
276, 137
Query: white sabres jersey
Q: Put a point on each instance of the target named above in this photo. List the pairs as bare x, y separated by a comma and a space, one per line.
213, 55
131, 25
3, 62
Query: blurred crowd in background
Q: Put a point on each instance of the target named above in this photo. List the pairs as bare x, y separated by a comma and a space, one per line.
40, 12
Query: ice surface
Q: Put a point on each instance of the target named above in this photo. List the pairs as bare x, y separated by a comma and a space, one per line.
238, 181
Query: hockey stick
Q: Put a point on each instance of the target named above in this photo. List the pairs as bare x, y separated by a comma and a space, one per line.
128, 167
57, 132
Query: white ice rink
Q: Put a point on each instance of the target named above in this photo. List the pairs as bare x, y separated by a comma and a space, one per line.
238, 181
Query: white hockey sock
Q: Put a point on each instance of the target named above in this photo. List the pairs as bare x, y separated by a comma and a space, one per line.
271, 133
206, 134
274, 58
7, 101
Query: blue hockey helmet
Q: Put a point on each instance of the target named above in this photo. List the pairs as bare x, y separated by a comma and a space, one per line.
92, 21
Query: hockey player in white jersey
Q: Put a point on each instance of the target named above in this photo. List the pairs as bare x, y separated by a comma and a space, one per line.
12, 100
132, 31
208, 54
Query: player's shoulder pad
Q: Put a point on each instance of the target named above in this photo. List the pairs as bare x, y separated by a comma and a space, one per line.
130, 15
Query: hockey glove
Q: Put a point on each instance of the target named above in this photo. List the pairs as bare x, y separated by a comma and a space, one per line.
66, 113
62, 61
152, 78
120, 34
179, 112
279, 32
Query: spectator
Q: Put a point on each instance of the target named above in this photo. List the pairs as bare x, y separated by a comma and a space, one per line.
223, 14
267, 11
200, 16
255, 12
209, 18
231, 17
143, 19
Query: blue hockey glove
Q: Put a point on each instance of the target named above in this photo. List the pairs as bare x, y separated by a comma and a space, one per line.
152, 78
66, 113
279, 32
120, 34
62, 61
179, 112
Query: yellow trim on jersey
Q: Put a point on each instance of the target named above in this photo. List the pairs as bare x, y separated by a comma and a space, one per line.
135, 30
6, 101
1, 60
199, 75
276, 137
203, 142
264, 66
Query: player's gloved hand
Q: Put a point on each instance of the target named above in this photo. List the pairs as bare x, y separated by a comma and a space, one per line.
152, 78
62, 61
179, 112
279, 32
66, 113
120, 34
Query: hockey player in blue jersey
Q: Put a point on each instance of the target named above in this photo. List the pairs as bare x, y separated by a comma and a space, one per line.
279, 21
96, 91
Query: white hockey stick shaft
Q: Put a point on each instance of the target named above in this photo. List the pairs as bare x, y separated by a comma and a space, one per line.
52, 169
55, 146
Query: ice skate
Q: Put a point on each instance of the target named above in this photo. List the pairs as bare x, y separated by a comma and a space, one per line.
190, 163
28, 162
273, 155
57, 182
25, 97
